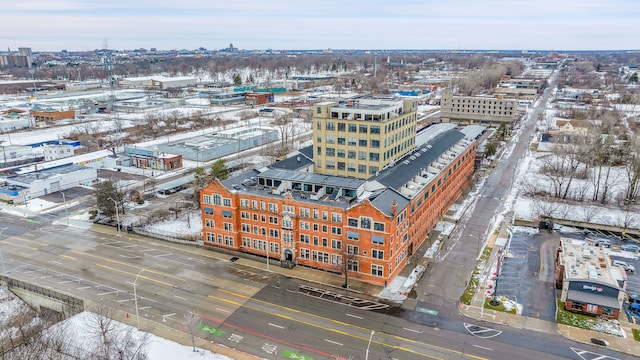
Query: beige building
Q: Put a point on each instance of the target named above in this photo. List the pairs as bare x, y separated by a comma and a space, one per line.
477, 109
360, 137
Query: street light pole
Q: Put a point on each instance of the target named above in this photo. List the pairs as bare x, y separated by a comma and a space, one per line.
366, 356
135, 297
115, 203
66, 214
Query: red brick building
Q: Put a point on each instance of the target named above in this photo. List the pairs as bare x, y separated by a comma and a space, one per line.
365, 228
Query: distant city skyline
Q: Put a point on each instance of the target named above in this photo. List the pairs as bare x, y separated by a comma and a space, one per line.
78, 25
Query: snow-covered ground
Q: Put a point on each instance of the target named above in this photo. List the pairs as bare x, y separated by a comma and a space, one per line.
78, 326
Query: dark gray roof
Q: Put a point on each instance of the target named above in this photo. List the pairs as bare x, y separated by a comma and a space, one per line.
307, 151
594, 299
296, 162
237, 180
409, 166
310, 178
386, 198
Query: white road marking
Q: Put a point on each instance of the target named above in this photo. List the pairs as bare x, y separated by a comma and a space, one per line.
144, 308
223, 310
278, 326
355, 316
56, 262
482, 347
166, 267
109, 292
333, 342
84, 288
179, 297
415, 331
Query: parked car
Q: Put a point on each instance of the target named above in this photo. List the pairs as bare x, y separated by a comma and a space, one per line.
602, 242
630, 247
626, 266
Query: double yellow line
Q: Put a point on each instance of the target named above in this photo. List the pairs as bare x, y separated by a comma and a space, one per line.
340, 332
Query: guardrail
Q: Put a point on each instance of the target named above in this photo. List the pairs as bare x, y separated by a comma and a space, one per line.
66, 299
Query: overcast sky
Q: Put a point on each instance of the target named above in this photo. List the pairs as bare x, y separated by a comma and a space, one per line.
321, 24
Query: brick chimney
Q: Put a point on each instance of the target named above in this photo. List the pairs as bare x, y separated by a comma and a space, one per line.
394, 208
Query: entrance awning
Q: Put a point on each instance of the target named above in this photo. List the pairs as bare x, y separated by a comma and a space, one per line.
593, 299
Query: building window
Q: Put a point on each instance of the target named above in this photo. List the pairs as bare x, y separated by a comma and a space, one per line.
274, 247
208, 210
304, 238
211, 237
352, 265
353, 250
209, 223
206, 199
351, 235
246, 242
273, 207
217, 199
352, 141
362, 155
244, 203
336, 244
362, 142
245, 227
336, 230
351, 154
228, 240
228, 226
375, 143
353, 222
287, 223
274, 233
352, 128
304, 254
336, 217
362, 169
226, 202
377, 254
374, 156
304, 225
341, 153
377, 240
227, 214
377, 226
365, 222
374, 129
330, 125
325, 229
377, 270
336, 259
341, 127
304, 212
341, 140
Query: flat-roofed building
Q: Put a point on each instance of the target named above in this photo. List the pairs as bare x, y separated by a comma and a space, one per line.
590, 283
483, 110
360, 137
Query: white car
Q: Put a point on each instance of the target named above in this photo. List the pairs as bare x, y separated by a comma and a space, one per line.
626, 266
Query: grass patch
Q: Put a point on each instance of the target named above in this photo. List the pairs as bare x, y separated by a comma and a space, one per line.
473, 284
636, 334
499, 307
587, 322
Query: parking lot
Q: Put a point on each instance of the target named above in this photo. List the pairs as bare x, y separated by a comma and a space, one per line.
520, 279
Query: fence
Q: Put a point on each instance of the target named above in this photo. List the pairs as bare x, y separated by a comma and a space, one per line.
172, 236
66, 299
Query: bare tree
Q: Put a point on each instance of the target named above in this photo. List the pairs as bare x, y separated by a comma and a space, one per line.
190, 321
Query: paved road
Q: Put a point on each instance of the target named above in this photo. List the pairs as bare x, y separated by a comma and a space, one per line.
236, 307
